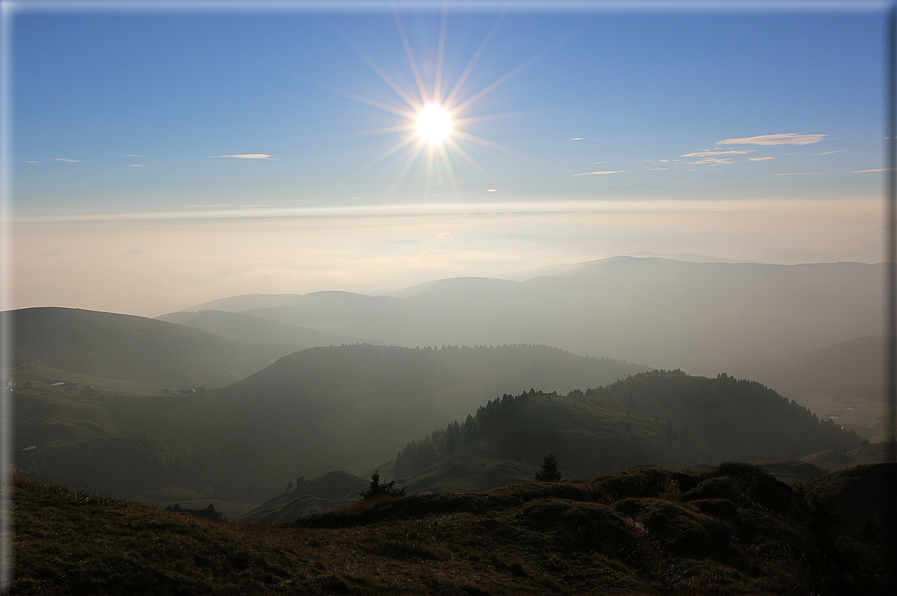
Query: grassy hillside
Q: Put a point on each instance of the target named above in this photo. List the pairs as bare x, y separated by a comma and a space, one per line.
136, 349
732, 530
458, 473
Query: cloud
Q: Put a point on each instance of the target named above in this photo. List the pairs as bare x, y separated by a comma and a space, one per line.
790, 138
490, 190
135, 165
799, 173
759, 158
66, 159
444, 236
133, 155
878, 170
712, 160
599, 173
712, 153
212, 205
830, 152
32, 162
655, 169
576, 139
246, 156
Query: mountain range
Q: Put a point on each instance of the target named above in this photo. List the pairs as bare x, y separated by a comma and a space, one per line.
235, 404
662, 313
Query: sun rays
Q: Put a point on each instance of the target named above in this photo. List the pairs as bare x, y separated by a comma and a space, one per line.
434, 121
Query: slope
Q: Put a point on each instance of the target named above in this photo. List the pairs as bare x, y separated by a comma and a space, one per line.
731, 530
139, 349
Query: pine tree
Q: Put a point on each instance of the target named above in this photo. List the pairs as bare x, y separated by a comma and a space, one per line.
549, 471
375, 489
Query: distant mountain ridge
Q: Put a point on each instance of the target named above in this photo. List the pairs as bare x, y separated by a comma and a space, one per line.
246, 328
663, 313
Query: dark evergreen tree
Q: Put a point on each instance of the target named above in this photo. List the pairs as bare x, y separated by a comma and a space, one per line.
375, 489
549, 471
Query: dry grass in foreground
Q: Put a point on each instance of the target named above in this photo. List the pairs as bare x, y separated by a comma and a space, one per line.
733, 530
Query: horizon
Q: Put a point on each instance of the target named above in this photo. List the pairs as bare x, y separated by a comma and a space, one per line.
173, 157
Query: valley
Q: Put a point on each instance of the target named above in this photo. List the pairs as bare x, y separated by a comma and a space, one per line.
284, 409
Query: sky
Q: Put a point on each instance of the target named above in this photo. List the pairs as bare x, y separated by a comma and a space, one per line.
163, 157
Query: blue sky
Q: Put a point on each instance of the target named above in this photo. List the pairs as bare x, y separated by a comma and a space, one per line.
204, 116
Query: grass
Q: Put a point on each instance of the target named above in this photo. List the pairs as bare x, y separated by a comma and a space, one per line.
732, 530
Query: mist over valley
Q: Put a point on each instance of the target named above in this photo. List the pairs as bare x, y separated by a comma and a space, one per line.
236, 397
483, 298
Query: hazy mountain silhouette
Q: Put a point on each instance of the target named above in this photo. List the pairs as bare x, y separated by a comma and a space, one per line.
856, 366
701, 317
844, 381
134, 348
246, 328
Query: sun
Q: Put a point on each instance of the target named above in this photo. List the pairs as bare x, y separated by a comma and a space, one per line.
434, 125
434, 120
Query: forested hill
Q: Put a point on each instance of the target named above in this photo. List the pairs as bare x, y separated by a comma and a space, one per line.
658, 418
422, 384
339, 407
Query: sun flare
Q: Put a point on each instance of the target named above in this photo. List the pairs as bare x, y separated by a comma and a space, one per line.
433, 123
434, 118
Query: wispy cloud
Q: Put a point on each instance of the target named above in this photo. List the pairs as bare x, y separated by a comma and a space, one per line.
246, 156
712, 153
444, 236
490, 190
133, 155
718, 161
212, 205
799, 173
655, 169
790, 138
599, 173
759, 158
877, 170
67, 159
135, 165
576, 139
830, 152
32, 162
